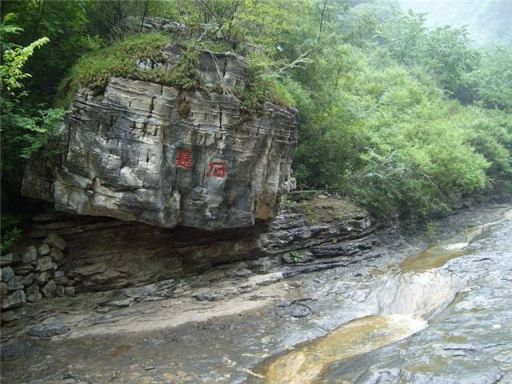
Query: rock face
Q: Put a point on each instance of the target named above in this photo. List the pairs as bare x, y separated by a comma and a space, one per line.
105, 253
147, 152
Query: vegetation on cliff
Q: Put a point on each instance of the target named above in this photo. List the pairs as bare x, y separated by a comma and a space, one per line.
93, 70
404, 119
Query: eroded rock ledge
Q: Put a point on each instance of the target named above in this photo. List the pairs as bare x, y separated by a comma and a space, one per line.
106, 253
147, 152
68, 254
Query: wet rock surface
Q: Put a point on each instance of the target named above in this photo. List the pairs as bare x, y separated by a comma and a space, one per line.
469, 342
47, 330
147, 334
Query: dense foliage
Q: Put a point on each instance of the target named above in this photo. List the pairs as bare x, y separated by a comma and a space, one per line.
404, 119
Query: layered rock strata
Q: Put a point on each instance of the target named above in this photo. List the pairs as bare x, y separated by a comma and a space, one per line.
107, 253
148, 152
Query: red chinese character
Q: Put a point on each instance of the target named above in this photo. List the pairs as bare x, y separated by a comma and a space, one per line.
217, 169
184, 159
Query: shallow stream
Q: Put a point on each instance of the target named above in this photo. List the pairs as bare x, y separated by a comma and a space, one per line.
406, 302
418, 313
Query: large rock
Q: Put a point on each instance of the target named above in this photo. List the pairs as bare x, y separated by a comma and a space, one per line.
48, 330
317, 226
155, 24
147, 152
57, 255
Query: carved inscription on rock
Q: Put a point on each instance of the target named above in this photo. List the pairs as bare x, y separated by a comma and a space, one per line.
184, 159
217, 169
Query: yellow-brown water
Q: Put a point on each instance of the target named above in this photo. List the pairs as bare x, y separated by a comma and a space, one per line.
434, 256
437, 255
305, 363
403, 302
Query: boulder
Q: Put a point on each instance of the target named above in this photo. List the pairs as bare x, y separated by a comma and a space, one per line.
141, 151
28, 279
69, 291
61, 278
47, 330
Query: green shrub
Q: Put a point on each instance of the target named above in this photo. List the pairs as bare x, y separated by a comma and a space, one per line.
396, 144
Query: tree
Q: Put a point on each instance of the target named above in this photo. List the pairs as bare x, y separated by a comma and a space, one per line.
24, 129
493, 78
448, 56
64, 23
403, 36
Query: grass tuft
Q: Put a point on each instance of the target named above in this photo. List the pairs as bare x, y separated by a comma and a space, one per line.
94, 70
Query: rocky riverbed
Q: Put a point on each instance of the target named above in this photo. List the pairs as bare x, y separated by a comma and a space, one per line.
372, 317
